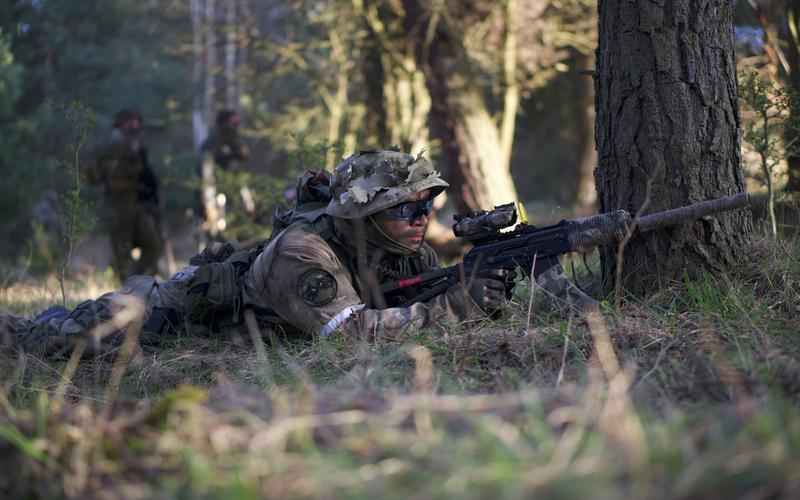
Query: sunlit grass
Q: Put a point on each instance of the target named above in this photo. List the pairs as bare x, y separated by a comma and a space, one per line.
27, 295
691, 393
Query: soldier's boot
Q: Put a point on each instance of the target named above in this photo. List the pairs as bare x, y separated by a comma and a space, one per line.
49, 331
59, 328
13, 330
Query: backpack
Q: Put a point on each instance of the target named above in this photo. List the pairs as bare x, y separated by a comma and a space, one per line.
214, 296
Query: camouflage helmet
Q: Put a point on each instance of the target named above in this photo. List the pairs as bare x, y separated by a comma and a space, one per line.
370, 181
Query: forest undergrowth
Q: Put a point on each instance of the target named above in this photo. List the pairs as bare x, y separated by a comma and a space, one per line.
690, 393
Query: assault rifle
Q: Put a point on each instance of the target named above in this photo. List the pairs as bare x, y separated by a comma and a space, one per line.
537, 249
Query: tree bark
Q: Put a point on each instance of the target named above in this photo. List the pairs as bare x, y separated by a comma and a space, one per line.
667, 133
586, 196
791, 38
472, 147
397, 97
336, 102
512, 90
374, 80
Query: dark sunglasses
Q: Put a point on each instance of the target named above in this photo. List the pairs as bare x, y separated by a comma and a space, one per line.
411, 210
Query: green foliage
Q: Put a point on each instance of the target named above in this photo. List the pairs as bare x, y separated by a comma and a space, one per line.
707, 295
10, 77
80, 120
268, 191
770, 105
106, 55
77, 218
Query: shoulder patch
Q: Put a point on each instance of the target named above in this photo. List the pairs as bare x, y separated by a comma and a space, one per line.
317, 287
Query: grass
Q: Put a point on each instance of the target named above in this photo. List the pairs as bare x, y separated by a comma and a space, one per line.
691, 393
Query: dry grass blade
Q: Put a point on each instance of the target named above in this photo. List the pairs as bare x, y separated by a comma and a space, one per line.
423, 383
128, 319
68, 373
618, 418
532, 293
261, 352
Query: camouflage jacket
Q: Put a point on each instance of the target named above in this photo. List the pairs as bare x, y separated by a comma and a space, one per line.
119, 171
310, 280
307, 276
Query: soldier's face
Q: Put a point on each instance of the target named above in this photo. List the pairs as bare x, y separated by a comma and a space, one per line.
132, 129
409, 230
232, 123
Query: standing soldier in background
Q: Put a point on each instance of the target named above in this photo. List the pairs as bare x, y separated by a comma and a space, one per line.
222, 149
130, 187
224, 143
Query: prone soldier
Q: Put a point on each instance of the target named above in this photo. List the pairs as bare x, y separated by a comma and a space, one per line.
322, 272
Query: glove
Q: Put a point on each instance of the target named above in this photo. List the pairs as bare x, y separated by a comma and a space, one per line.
491, 288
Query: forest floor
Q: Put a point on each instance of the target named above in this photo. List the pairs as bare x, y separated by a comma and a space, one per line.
691, 393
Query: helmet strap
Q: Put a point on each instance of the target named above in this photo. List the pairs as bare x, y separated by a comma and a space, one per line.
389, 243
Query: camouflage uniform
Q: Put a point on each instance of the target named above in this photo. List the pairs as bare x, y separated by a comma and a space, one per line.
320, 275
310, 274
140, 299
226, 148
131, 206
313, 286
223, 150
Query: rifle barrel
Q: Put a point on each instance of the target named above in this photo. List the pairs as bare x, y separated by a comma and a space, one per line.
589, 232
690, 212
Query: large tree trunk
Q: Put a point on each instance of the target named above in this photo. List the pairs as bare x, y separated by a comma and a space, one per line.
407, 103
668, 133
397, 96
336, 101
472, 145
792, 135
374, 79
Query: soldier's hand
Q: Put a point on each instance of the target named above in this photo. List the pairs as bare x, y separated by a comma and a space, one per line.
489, 289
510, 282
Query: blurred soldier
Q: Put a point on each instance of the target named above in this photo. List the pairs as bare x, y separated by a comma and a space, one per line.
224, 143
131, 208
223, 149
